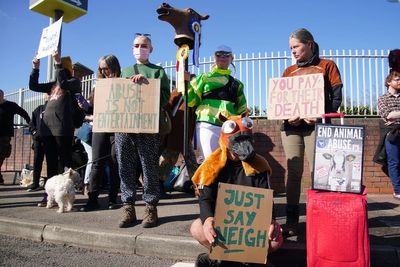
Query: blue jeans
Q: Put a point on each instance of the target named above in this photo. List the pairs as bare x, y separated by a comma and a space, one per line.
393, 161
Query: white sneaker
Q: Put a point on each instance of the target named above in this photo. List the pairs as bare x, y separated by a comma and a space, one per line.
396, 196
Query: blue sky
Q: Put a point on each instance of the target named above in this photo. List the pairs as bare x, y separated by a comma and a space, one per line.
247, 26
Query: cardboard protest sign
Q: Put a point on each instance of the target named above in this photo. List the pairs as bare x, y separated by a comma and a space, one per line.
338, 159
123, 106
242, 219
50, 39
301, 96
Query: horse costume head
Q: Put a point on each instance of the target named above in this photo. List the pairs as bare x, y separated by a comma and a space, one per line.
236, 143
185, 21
237, 136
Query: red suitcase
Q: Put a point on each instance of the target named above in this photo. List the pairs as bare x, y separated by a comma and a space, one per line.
337, 229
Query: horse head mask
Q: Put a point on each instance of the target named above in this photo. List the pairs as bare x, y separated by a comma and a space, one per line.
186, 23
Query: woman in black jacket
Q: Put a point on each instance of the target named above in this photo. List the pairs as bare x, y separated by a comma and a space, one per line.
57, 128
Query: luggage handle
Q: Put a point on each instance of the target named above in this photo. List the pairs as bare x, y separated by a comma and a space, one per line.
333, 115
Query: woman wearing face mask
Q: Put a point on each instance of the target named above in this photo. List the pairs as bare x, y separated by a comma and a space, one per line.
143, 147
103, 150
211, 93
298, 134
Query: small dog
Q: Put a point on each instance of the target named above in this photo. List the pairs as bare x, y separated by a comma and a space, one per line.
61, 189
26, 178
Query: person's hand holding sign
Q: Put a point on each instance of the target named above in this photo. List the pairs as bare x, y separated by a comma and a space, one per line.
310, 121
139, 78
208, 229
294, 121
275, 236
36, 63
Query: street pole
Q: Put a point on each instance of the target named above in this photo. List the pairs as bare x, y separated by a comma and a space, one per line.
50, 62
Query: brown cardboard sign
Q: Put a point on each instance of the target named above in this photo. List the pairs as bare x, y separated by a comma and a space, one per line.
301, 96
126, 107
242, 219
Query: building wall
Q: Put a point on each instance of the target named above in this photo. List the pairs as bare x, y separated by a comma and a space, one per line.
268, 144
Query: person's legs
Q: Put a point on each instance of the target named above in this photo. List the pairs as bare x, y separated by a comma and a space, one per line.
99, 158
38, 157
88, 149
115, 180
207, 137
393, 160
147, 147
127, 156
293, 145
64, 150
5, 151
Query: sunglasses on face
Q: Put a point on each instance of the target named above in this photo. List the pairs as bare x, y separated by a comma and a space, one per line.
148, 35
222, 54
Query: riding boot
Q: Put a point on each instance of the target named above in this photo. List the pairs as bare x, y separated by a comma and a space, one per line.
292, 220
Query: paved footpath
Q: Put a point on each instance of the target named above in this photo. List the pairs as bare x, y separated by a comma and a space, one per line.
20, 216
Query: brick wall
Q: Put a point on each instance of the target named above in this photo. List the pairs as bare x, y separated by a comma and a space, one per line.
268, 144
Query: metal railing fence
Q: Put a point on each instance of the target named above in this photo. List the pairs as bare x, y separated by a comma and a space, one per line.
363, 74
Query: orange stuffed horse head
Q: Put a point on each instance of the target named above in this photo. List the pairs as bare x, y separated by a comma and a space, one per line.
237, 136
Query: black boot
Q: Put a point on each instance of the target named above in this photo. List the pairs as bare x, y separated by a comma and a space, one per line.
292, 220
92, 203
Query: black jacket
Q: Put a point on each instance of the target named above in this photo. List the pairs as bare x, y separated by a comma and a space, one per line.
7, 111
59, 110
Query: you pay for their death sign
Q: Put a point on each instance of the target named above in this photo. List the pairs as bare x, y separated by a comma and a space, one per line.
242, 219
49, 39
301, 96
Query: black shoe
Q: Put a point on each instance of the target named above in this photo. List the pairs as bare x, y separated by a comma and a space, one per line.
91, 205
34, 188
203, 260
112, 205
1, 180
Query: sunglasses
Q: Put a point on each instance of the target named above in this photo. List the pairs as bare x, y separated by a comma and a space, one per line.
222, 54
148, 35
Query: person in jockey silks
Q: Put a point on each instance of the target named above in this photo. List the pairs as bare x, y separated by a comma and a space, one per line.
213, 92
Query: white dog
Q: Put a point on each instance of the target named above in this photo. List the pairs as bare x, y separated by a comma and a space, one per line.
61, 189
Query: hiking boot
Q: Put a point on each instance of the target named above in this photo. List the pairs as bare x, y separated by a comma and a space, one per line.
203, 260
150, 217
292, 220
128, 216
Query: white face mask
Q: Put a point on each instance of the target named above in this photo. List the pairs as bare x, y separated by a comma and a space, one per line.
141, 54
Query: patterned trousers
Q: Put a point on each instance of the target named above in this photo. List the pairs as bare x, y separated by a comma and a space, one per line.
133, 147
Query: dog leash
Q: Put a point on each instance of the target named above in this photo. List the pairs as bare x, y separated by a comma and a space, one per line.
80, 167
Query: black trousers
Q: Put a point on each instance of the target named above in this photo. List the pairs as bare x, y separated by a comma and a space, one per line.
58, 150
103, 152
38, 157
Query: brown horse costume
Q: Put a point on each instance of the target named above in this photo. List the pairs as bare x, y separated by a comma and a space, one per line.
239, 141
181, 20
